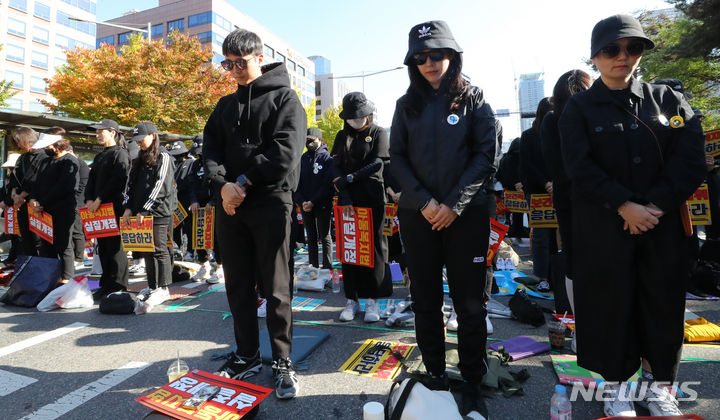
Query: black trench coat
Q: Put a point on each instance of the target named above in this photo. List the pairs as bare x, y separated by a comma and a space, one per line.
629, 289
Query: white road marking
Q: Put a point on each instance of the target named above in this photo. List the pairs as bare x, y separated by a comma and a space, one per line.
86, 393
40, 338
11, 382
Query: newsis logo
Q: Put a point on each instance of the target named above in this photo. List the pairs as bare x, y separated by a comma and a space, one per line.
424, 31
639, 391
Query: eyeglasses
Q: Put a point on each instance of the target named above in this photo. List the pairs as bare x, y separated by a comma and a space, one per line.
240, 63
434, 55
633, 49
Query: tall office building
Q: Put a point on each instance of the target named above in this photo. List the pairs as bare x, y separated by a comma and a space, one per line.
34, 36
328, 91
531, 90
211, 21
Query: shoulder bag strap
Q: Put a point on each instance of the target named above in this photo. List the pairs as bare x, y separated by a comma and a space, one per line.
400, 405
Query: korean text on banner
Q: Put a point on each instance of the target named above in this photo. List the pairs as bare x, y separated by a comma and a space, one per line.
500, 207
699, 205
497, 234
100, 224
138, 237
516, 202
233, 401
42, 225
203, 228
390, 226
179, 214
542, 212
375, 359
354, 236
712, 143
11, 222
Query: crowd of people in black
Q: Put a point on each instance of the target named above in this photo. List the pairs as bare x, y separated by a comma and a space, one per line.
619, 157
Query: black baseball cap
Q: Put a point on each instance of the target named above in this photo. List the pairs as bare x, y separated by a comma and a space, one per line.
143, 129
314, 133
105, 125
616, 27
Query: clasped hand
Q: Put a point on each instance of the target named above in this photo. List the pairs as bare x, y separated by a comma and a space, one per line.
438, 215
638, 218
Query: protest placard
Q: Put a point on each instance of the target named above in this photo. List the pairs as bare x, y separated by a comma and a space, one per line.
138, 237
712, 143
375, 359
497, 234
515, 201
354, 237
42, 225
99, 224
699, 206
390, 226
179, 214
11, 222
542, 212
203, 228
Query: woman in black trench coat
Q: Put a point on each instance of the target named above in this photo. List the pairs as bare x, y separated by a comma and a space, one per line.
359, 152
634, 154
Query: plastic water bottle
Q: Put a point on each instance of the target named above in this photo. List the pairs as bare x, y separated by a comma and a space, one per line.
335, 281
560, 407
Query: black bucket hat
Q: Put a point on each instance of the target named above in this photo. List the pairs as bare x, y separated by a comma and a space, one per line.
356, 105
615, 27
177, 148
430, 35
314, 133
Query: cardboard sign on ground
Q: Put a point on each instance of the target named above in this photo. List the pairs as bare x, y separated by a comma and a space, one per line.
374, 359
233, 401
568, 371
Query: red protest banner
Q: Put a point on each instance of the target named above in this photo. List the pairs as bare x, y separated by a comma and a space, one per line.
42, 225
500, 207
390, 227
298, 214
497, 234
233, 401
354, 236
11, 223
712, 143
100, 224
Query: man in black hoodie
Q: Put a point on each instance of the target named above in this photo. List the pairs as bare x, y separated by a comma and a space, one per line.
253, 141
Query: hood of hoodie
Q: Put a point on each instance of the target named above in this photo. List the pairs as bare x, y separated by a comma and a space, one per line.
274, 76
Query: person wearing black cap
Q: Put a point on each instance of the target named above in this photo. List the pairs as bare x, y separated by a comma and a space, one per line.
186, 185
151, 192
26, 172
442, 148
252, 145
314, 196
359, 152
106, 184
54, 193
634, 154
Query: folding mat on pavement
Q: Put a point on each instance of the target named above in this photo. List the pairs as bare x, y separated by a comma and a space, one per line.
305, 341
176, 292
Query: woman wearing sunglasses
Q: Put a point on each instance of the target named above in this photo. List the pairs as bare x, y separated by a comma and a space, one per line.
442, 149
634, 154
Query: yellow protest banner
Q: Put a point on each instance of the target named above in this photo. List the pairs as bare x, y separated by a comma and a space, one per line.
515, 201
375, 359
699, 206
137, 237
179, 214
542, 212
203, 234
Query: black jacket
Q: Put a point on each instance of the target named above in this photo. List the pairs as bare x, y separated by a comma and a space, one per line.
612, 158
56, 184
316, 175
509, 169
150, 188
258, 131
434, 158
364, 161
533, 172
83, 175
27, 170
186, 181
108, 177
552, 154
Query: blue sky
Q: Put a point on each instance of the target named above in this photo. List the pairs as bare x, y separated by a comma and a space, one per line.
501, 39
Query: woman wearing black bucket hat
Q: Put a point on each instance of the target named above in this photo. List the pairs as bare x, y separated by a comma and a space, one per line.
443, 143
634, 154
358, 153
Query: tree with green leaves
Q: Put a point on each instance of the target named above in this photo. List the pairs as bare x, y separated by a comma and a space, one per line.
5, 90
168, 83
330, 123
699, 74
704, 37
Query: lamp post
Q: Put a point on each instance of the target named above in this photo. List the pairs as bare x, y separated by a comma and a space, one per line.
114, 25
364, 75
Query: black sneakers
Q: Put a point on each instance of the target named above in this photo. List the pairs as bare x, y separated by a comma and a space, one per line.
239, 368
286, 383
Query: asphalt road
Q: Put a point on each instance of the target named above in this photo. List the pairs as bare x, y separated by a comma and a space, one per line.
81, 364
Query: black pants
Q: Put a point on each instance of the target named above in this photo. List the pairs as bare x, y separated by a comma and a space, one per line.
317, 226
158, 264
29, 242
113, 260
255, 247
61, 247
462, 248
78, 238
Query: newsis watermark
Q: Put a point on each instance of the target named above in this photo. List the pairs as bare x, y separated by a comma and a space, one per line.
634, 391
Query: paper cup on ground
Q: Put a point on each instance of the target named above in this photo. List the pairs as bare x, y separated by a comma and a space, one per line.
373, 411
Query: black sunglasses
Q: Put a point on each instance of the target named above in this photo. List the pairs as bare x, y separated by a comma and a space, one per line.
434, 55
633, 49
240, 63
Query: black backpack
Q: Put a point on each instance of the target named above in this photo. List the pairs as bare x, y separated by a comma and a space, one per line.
119, 303
525, 310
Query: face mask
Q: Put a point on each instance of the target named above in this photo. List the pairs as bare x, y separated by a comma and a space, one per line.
313, 146
357, 123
